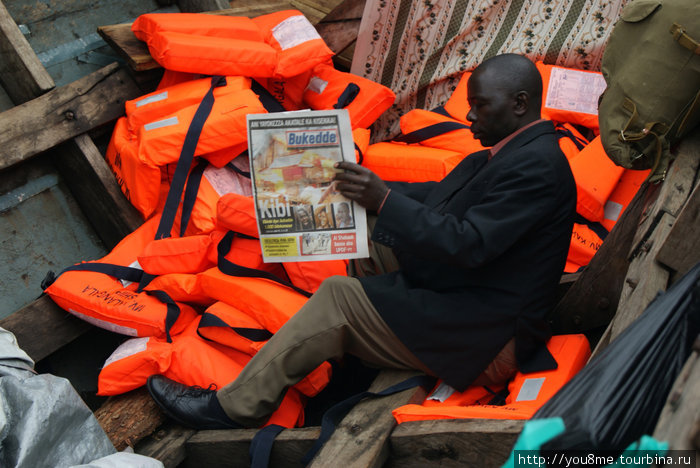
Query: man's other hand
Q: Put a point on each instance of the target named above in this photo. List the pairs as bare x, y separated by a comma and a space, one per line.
360, 184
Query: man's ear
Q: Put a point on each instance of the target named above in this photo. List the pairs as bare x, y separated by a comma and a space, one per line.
522, 103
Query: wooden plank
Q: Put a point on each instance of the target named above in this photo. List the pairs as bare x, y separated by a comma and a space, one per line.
197, 6
339, 28
230, 448
362, 437
64, 113
42, 328
21, 73
90, 179
167, 444
682, 247
128, 418
680, 417
453, 443
591, 300
675, 189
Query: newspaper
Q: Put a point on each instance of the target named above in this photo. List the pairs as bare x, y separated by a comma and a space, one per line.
300, 215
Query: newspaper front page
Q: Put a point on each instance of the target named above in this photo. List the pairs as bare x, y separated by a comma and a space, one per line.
300, 215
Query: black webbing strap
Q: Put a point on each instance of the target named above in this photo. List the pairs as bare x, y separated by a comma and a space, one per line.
252, 334
598, 228
269, 102
331, 418
261, 445
562, 132
173, 310
185, 161
237, 169
430, 131
347, 96
442, 111
191, 190
232, 269
359, 152
116, 271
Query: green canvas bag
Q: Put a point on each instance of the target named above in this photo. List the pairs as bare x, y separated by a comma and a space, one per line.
651, 66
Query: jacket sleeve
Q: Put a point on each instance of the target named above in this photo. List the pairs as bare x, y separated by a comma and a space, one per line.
415, 190
519, 197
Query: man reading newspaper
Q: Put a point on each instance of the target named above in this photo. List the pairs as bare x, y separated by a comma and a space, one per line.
463, 270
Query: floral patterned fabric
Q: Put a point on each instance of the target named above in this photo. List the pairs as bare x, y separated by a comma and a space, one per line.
419, 48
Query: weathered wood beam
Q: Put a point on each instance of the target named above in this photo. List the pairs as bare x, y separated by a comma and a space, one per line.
682, 248
339, 28
167, 444
195, 6
93, 185
128, 418
64, 113
43, 328
362, 437
230, 448
21, 73
453, 443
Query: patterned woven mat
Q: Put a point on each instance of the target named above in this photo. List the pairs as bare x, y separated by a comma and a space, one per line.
419, 48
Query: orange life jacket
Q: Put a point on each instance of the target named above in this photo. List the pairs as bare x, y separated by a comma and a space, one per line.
571, 95
226, 325
596, 177
278, 44
527, 392
397, 161
95, 292
460, 140
189, 359
364, 99
457, 106
139, 181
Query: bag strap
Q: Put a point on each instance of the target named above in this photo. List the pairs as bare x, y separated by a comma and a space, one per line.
233, 269
191, 190
653, 129
681, 36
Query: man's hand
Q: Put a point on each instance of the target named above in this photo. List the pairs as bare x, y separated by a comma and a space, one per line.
360, 184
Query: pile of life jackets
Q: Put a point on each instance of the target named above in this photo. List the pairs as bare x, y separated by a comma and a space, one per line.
189, 287
433, 142
520, 399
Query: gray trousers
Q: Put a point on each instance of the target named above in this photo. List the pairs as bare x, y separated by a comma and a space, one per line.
337, 319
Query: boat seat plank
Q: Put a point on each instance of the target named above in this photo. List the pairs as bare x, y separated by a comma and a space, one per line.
63, 113
42, 328
453, 443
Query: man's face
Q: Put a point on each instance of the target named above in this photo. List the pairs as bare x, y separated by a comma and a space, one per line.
491, 114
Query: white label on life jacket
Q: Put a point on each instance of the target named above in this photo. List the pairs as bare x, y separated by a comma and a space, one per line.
293, 31
441, 393
126, 349
113, 327
161, 123
224, 180
316, 84
612, 210
574, 90
530, 389
155, 98
134, 264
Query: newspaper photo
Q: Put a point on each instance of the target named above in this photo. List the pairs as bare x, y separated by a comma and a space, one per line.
300, 215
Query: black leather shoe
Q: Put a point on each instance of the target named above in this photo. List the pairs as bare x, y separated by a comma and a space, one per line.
194, 407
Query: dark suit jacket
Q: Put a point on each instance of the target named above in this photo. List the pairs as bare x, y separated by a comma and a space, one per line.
480, 255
